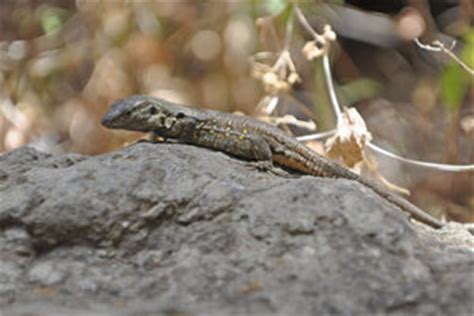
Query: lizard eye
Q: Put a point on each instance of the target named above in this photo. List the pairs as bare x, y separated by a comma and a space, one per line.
152, 110
180, 115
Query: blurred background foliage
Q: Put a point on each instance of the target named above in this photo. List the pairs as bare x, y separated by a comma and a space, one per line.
63, 62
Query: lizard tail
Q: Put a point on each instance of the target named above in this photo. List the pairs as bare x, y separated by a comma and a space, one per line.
414, 211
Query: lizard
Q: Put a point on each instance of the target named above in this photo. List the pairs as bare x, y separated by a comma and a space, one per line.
240, 136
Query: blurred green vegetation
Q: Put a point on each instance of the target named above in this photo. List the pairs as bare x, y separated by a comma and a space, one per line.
454, 80
52, 18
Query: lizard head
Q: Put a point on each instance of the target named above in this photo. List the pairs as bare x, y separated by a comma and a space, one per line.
146, 114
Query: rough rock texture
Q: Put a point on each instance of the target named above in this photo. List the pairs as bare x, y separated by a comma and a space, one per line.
174, 229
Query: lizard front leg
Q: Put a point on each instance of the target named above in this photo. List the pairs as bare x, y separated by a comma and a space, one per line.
263, 156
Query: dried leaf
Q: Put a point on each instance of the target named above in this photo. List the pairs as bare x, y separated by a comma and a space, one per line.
350, 138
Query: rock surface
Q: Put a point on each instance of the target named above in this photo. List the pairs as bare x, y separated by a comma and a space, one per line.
174, 229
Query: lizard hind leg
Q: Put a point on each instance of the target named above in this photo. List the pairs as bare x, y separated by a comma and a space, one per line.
268, 166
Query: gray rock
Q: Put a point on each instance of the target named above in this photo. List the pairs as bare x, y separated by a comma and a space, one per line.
176, 229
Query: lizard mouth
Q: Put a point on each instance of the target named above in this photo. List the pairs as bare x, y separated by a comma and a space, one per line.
109, 119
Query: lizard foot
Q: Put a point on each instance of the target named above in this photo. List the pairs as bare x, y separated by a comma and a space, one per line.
268, 166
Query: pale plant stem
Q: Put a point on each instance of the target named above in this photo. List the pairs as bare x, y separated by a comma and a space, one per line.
338, 112
316, 136
305, 22
413, 162
439, 47
332, 92
432, 165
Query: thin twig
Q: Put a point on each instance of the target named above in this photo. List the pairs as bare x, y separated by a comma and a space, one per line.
338, 112
326, 65
330, 86
290, 120
316, 136
432, 165
373, 147
272, 104
439, 47
304, 22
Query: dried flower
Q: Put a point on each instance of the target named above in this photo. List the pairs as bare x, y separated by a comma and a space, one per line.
320, 45
277, 78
